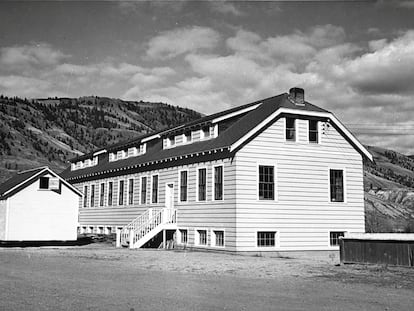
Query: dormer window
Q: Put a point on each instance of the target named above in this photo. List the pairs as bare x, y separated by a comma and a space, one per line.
187, 137
205, 132
120, 154
313, 131
171, 141
132, 152
142, 148
290, 129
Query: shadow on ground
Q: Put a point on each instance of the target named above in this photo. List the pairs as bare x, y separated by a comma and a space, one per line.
81, 240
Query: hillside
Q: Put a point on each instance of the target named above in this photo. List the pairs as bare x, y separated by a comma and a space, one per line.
389, 191
51, 131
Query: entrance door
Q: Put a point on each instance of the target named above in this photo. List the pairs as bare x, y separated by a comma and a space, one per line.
169, 195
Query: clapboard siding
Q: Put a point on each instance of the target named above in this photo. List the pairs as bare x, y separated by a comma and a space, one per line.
301, 214
192, 214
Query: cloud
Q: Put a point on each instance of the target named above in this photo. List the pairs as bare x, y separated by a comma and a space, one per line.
24, 86
27, 57
388, 69
225, 7
179, 41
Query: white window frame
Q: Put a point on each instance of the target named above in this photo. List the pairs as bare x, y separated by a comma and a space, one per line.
197, 237
197, 181
213, 186
275, 178
344, 175
213, 237
158, 188
179, 185
179, 236
277, 239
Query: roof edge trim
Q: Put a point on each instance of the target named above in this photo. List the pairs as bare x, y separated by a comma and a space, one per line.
235, 113
144, 140
99, 152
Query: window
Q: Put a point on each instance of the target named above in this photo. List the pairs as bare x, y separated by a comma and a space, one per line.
266, 238
102, 195
155, 189
44, 183
266, 182
202, 237
143, 190
218, 238
85, 196
334, 237
183, 236
337, 185
183, 186
110, 191
206, 132
131, 191
121, 193
218, 183
92, 195
171, 141
202, 178
290, 129
313, 131
187, 136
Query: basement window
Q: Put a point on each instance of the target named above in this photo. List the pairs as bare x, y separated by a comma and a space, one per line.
183, 236
266, 239
202, 237
334, 237
218, 238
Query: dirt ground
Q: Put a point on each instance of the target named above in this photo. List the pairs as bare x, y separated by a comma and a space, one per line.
99, 277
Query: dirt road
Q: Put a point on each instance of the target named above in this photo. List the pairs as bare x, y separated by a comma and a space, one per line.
108, 279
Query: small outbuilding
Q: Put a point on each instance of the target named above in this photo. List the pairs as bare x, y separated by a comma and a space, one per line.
38, 205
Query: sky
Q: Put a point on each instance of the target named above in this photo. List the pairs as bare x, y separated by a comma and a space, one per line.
353, 58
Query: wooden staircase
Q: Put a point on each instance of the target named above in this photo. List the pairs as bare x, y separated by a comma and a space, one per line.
146, 226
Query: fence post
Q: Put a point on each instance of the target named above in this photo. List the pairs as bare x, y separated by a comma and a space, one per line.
118, 238
131, 238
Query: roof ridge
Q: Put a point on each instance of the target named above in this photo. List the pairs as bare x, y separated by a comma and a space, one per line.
33, 169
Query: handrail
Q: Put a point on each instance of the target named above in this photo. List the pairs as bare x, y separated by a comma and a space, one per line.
146, 222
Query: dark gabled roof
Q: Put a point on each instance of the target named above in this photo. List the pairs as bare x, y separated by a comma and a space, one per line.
18, 179
199, 122
155, 152
25, 178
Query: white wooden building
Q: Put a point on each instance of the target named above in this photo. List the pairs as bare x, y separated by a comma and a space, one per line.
279, 174
38, 205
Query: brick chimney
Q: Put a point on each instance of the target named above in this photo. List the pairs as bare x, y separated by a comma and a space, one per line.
297, 96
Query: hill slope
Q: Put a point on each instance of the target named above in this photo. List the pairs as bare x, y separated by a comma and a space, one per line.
51, 131
389, 191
